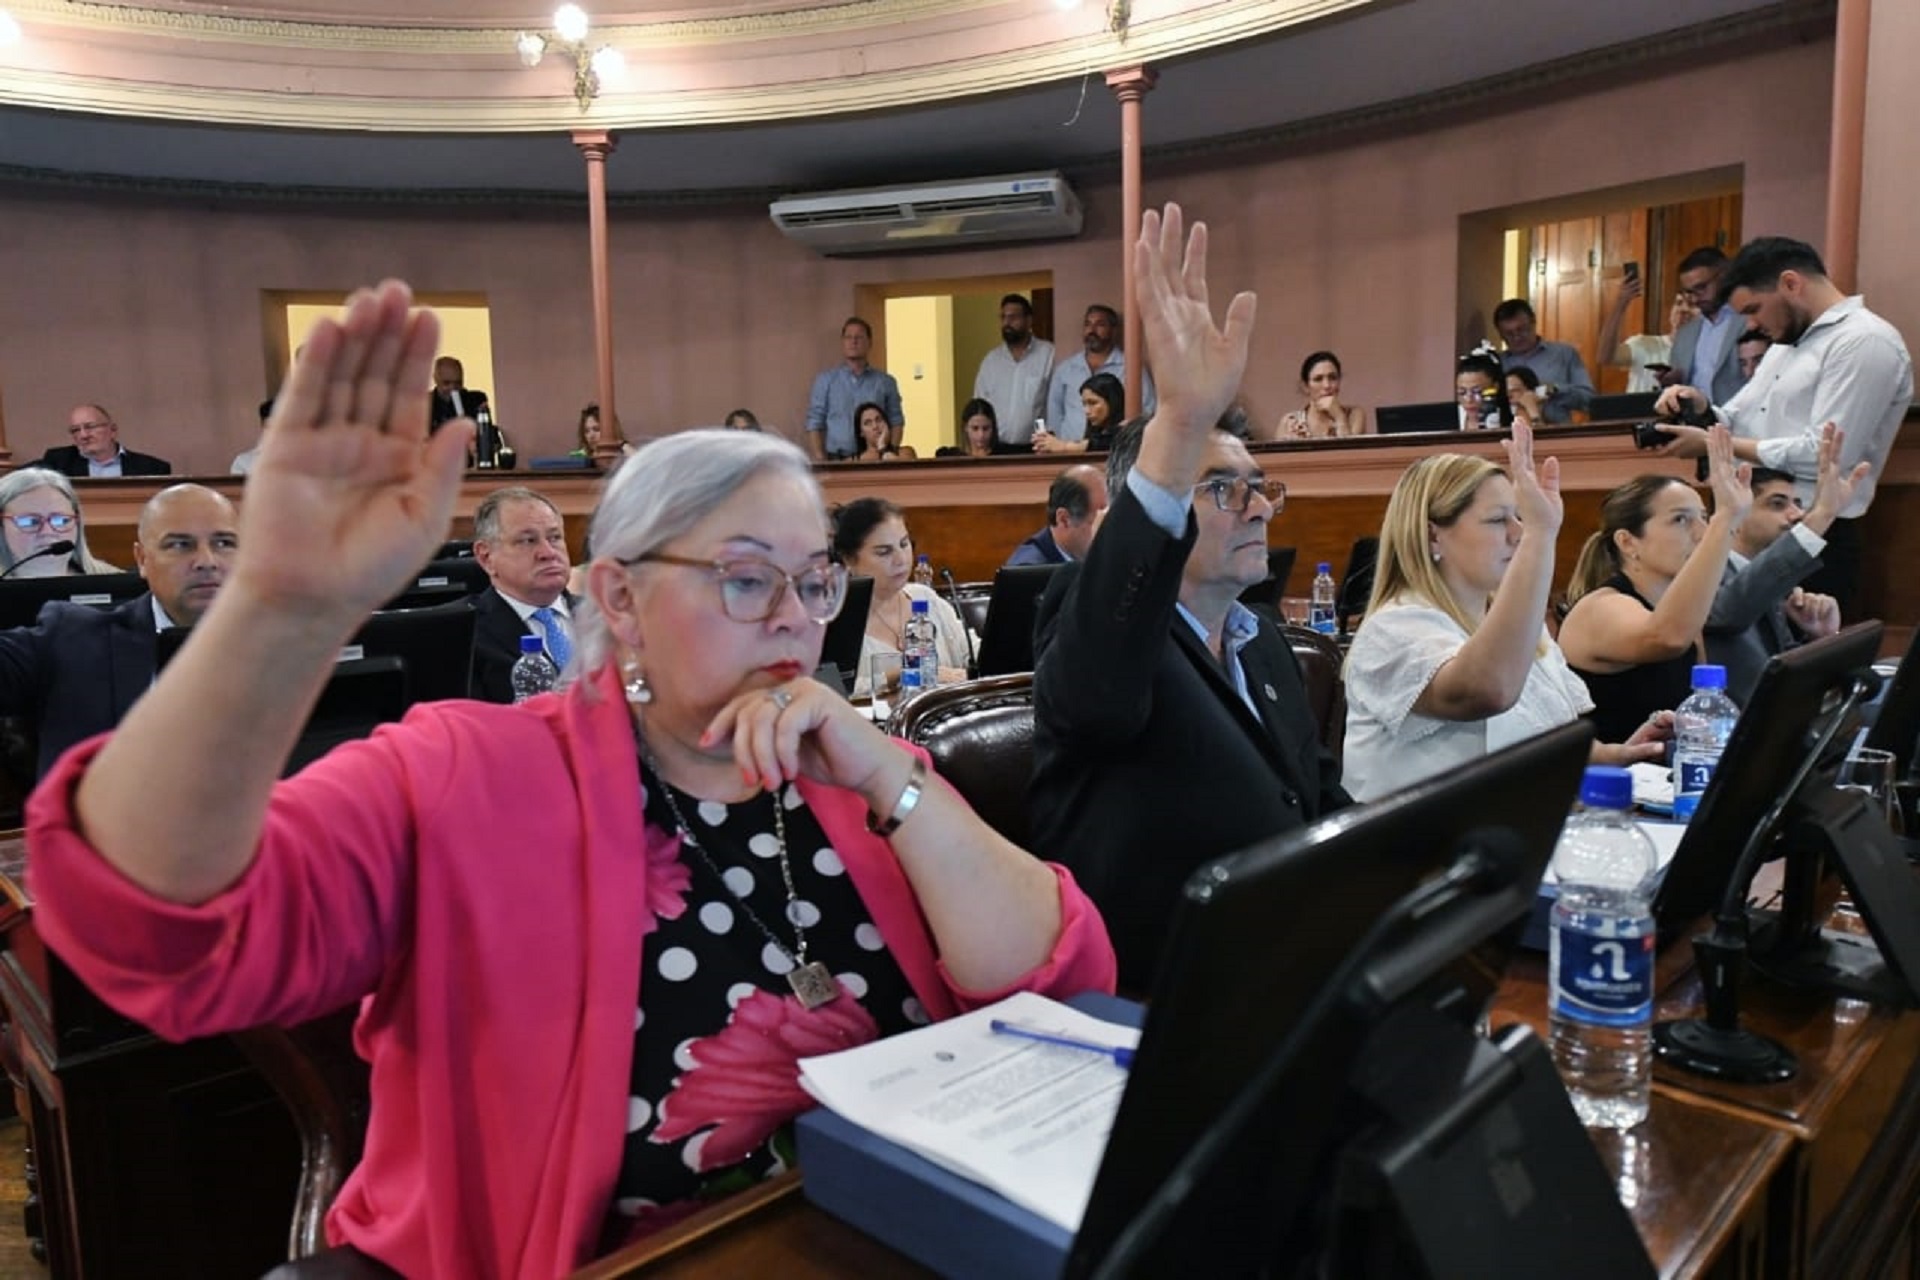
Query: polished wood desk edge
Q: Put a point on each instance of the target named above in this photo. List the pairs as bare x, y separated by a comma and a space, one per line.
682, 1237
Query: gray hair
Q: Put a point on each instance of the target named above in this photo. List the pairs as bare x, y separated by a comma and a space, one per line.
664, 489
18, 484
486, 517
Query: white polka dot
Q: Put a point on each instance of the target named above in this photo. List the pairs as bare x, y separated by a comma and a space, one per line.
683, 1055
915, 1011
677, 964
690, 1153
739, 991
630, 1206
775, 959
639, 1019
764, 845
828, 863
717, 917
868, 937
738, 879
855, 984
639, 1111
791, 797
712, 812
803, 913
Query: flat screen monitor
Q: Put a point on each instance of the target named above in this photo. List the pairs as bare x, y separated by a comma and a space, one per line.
433, 646
361, 695
21, 599
1897, 726
1285, 965
462, 572
1413, 419
840, 647
1007, 645
1634, 406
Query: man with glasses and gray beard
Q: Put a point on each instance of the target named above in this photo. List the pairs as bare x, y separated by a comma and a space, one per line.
1171, 725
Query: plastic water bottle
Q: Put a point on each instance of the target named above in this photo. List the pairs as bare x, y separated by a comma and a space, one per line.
922, 650
533, 671
923, 572
1322, 616
908, 689
1701, 726
1600, 963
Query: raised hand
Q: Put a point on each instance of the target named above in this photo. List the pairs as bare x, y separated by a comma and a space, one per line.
1729, 478
1536, 489
1197, 366
349, 495
1833, 489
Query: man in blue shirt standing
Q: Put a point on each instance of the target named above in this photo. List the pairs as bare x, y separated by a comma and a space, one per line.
831, 432
1564, 384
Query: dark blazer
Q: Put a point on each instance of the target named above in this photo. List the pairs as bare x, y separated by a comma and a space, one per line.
496, 644
75, 671
1039, 549
1748, 624
1726, 375
69, 461
1146, 762
442, 409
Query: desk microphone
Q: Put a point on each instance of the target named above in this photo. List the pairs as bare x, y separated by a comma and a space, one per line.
64, 547
966, 632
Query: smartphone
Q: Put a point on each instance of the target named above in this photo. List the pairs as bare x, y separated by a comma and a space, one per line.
1631, 270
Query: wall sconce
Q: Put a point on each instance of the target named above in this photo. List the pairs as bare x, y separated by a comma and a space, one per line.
591, 67
1119, 14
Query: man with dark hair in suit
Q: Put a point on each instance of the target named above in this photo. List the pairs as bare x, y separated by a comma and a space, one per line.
452, 397
96, 450
1075, 502
521, 541
75, 671
1760, 609
1705, 348
1171, 725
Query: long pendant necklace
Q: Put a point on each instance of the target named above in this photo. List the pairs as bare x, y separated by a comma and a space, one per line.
812, 983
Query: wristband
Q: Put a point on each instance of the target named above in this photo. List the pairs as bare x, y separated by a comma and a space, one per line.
903, 807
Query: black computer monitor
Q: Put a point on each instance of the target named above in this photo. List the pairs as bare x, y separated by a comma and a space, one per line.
1635, 406
446, 575
1007, 646
1413, 419
435, 645
361, 695
21, 599
840, 647
1896, 727
1315, 1011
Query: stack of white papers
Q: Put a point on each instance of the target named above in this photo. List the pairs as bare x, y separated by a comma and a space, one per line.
1027, 1120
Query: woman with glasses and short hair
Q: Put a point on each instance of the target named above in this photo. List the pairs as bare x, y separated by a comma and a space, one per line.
870, 538
38, 509
591, 934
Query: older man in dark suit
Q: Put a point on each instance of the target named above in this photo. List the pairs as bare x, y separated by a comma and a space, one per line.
75, 672
1076, 500
96, 451
1171, 724
521, 541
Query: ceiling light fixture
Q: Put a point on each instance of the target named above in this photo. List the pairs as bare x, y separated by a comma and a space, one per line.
1118, 13
592, 68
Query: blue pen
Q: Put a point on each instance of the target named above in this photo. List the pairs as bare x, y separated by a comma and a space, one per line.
1119, 1053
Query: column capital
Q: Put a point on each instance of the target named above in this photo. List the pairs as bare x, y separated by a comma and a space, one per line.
1130, 84
595, 144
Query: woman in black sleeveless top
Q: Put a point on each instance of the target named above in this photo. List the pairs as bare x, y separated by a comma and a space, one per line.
1643, 586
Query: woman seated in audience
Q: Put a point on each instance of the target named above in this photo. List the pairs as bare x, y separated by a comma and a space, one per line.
1644, 585
1477, 383
1523, 393
742, 420
1104, 397
1323, 415
591, 432
979, 433
38, 510
1453, 660
870, 538
876, 437
592, 932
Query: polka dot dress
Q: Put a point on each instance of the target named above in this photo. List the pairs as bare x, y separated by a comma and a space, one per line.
713, 1085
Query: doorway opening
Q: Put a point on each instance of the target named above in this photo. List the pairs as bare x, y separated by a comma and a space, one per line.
466, 331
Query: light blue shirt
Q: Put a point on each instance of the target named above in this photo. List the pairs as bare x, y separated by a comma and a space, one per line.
1715, 335
1168, 511
838, 392
1559, 364
1066, 416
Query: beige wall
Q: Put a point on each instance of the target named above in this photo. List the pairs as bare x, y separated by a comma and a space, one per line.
153, 307
1890, 180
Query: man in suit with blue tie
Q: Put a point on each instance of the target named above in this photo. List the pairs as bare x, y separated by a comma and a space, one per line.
1760, 609
521, 541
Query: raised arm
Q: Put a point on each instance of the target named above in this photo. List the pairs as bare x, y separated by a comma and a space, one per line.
348, 497
1609, 348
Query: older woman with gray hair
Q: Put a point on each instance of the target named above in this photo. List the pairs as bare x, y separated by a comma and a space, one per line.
592, 933
38, 510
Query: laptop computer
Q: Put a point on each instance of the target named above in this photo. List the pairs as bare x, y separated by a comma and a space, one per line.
1412, 419
1007, 646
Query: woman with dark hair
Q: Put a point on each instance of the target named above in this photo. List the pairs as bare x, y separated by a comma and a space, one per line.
876, 437
1479, 388
870, 538
979, 432
742, 420
1323, 415
1104, 397
1523, 393
736, 868
1643, 587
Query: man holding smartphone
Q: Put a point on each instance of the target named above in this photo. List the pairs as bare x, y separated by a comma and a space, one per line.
1704, 352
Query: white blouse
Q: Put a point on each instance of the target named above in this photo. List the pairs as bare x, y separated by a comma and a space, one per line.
1393, 659
950, 638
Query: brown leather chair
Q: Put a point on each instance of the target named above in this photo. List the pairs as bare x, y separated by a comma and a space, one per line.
1321, 661
980, 735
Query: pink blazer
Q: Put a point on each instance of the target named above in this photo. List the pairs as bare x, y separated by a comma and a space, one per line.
482, 876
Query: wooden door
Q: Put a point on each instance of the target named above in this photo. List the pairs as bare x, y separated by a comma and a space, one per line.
1578, 268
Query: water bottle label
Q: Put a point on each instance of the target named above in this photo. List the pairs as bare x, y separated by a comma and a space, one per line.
1690, 781
1604, 981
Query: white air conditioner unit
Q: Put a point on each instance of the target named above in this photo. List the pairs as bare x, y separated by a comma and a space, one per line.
1021, 206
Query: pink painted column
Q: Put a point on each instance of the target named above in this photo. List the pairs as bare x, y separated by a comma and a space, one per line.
1848, 142
595, 146
1130, 85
